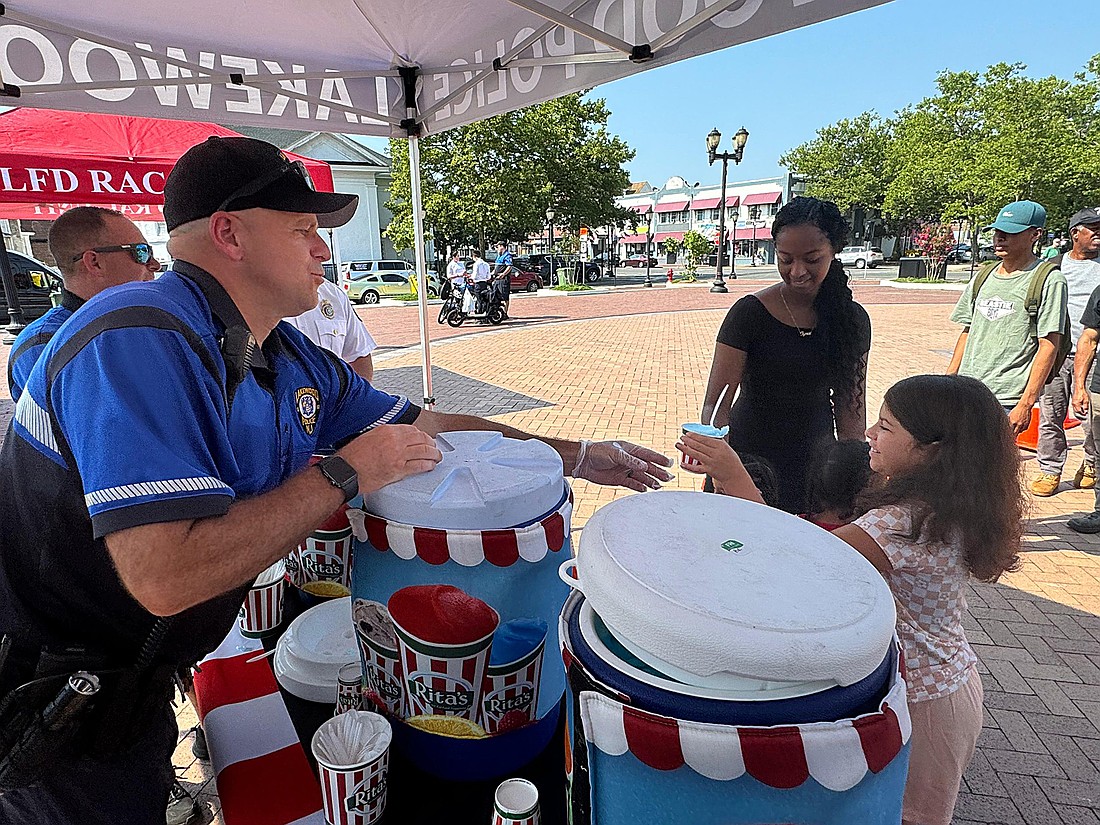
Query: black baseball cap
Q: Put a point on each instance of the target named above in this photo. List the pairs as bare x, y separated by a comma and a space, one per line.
1085, 216
235, 173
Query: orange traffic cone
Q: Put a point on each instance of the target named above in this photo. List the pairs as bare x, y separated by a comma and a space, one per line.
1029, 438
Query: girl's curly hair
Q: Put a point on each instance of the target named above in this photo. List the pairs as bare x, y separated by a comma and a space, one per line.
969, 487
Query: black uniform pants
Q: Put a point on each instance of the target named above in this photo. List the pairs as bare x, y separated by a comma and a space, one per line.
130, 788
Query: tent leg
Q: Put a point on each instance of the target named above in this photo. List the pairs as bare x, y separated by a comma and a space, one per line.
16, 321
421, 268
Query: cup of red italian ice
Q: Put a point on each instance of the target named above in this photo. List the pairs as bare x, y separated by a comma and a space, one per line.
690, 464
443, 636
510, 695
378, 644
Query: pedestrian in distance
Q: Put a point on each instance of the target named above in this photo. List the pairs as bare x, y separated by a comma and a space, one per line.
482, 275
1081, 268
944, 503
502, 276
1013, 315
797, 350
158, 461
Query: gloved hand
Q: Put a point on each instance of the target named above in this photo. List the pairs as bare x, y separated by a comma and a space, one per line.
622, 464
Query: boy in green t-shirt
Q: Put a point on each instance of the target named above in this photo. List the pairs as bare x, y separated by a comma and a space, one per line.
999, 345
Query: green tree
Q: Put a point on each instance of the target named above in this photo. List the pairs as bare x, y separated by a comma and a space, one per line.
494, 179
982, 140
846, 162
696, 247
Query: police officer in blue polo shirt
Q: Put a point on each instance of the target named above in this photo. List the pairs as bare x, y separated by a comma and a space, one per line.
95, 249
157, 462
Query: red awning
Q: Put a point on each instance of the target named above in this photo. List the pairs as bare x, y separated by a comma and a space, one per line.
632, 239
640, 207
733, 200
672, 206
664, 236
763, 233
760, 198
51, 161
705, 203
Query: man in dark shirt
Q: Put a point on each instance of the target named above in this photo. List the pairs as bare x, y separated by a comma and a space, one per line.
502, 276
158, 461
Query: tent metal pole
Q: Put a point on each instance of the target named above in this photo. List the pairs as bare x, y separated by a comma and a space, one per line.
421, 268
16, 321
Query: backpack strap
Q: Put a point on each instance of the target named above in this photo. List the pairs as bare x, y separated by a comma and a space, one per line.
1034, 297
979, 279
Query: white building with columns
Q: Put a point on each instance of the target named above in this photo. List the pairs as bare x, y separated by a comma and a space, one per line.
356, 169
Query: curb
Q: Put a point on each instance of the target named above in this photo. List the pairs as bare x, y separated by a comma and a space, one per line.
949, 286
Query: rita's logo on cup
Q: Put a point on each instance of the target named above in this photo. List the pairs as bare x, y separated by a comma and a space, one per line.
732, 546
363, 798
459, 696
386, 685
323, 566
514, 697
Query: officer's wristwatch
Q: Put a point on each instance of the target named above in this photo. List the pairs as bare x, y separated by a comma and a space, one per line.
340, 475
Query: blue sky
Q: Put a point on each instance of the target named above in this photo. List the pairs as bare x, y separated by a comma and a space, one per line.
784, 88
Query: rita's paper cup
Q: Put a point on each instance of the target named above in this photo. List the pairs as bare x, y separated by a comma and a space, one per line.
510, 695
262, 611
382, 663
353, 755
516, 803
690, 464
444, 680
349, 688
321, 565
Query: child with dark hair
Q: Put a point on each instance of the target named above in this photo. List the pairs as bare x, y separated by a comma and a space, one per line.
944, 503
838, 475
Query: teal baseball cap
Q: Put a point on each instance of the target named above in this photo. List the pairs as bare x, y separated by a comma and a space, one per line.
1019, 216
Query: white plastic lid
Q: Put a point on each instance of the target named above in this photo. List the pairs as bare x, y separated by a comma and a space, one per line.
309, 655
717, 590
484, 482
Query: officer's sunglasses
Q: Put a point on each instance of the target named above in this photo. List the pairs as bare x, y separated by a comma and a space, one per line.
296, 168
142, 253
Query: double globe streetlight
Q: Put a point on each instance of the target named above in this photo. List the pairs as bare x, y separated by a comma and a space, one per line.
739, 141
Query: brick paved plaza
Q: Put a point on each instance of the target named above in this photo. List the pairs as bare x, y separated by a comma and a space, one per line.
593, 367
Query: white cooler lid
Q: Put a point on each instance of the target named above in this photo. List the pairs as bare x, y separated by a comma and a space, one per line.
309, 654
722, 589
484, 482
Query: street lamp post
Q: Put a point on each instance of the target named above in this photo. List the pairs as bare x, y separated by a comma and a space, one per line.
649, 216
550, 245
739, 141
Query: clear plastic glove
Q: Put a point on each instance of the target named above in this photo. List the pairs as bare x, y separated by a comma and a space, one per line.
622, 464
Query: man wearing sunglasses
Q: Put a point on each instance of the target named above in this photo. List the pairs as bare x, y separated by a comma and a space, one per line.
158, 462
95, 249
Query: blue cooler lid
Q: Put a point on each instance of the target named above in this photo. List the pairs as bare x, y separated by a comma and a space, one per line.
484, 482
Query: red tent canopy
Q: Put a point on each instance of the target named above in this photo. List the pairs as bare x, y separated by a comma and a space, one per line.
51, 161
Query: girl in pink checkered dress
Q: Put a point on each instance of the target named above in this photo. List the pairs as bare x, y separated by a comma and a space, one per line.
943, 504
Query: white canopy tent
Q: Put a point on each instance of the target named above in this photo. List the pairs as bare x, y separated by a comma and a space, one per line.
400, 68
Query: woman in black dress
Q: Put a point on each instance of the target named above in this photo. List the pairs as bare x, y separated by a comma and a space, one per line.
798, 352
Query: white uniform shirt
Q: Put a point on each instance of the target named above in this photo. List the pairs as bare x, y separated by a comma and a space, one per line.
481, 271
333, 325
456, 273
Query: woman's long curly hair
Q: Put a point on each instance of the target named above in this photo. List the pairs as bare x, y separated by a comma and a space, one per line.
969, 487
837, 311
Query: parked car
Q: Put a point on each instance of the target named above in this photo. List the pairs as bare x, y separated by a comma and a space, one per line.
861, 256
961, 253
540, 263
35, 282
370, 287
639, 260
351, 270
